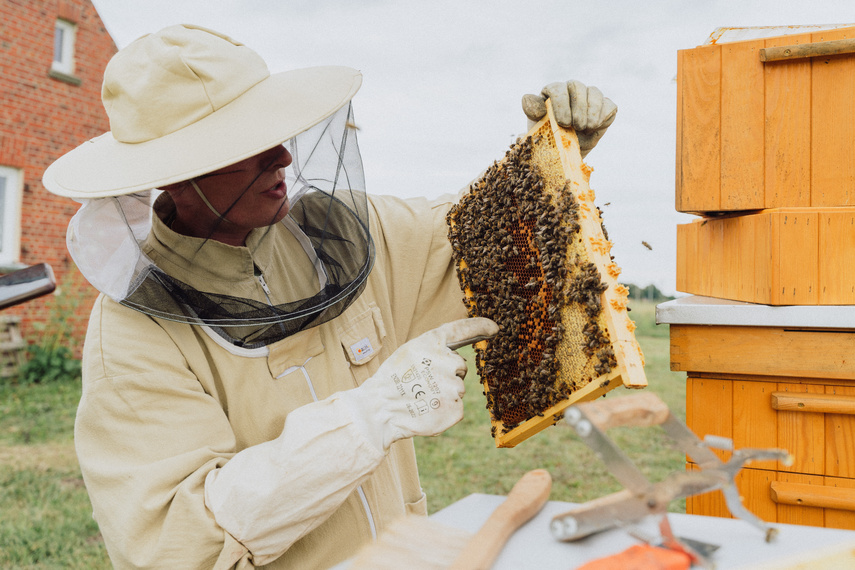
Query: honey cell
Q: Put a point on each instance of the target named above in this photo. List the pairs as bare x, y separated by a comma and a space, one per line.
519, 240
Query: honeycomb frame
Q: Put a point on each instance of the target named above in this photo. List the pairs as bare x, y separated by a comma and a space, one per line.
533, 254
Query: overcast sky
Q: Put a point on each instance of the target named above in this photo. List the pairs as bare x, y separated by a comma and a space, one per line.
442, 83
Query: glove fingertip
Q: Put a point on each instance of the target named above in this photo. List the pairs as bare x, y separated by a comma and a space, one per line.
488, 326
610, 112
534, 106
468, 328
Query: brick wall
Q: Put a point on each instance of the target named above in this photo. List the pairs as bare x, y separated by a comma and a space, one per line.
42, 116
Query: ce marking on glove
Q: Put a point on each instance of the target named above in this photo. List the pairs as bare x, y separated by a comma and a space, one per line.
419, 403
419, 379
417, 391
418, 395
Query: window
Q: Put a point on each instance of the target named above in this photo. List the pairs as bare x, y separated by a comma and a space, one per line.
11, 180
63, 47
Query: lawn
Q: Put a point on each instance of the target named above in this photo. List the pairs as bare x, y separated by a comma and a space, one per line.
47, 521
45, 512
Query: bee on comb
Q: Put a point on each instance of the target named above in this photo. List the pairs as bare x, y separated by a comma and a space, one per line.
533, 255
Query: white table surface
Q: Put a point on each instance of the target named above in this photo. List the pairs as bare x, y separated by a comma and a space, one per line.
698, 310
741, 545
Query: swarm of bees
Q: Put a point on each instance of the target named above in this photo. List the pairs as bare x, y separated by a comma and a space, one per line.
521, 261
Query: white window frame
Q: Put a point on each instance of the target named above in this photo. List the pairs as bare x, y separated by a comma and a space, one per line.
10, 240
65, 63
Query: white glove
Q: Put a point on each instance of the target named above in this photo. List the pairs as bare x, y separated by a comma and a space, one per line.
270, 495
419, 389
574, 105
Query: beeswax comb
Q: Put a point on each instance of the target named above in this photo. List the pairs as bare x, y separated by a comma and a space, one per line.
533, 255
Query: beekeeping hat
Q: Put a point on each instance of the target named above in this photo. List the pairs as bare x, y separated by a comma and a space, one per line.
187, 101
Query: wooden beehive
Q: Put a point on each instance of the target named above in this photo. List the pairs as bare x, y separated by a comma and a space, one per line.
784, 256
755, 135
532, 255
766, 150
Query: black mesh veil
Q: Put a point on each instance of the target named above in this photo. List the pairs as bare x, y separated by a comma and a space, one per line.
110, 240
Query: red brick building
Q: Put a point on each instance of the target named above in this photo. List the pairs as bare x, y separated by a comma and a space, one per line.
52, 59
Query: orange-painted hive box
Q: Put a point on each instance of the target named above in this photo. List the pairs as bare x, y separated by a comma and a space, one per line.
772, 377
754, 135
782, 256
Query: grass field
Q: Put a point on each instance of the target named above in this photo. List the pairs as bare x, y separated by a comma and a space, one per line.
44, 509
45, 512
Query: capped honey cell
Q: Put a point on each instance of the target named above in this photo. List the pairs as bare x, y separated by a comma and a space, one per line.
532, 256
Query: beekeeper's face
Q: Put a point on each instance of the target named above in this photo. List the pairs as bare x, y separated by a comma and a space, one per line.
241, 197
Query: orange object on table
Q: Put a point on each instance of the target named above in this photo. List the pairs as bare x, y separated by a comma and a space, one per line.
642, 557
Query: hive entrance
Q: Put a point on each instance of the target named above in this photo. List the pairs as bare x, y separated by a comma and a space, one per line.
532, 255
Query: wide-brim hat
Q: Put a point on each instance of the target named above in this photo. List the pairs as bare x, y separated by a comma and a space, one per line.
187, 101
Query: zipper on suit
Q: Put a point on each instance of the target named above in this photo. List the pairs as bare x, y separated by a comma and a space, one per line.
362, 497
260, 276
262, 282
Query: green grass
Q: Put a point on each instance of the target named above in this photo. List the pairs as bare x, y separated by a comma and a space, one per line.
47, 520
464, 459
44, 507
46, 515
37, 413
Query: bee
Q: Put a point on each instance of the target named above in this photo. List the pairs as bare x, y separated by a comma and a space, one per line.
647, 245
518, 235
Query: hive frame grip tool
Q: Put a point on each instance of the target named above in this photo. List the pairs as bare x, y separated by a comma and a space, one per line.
641, 498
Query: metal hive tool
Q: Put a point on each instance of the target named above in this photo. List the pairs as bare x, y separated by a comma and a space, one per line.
532, 254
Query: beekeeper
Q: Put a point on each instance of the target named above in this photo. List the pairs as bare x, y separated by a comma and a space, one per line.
268, 338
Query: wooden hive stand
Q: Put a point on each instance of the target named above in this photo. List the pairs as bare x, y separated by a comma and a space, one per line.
779, 377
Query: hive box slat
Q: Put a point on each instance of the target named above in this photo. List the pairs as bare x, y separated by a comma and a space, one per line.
787, 124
